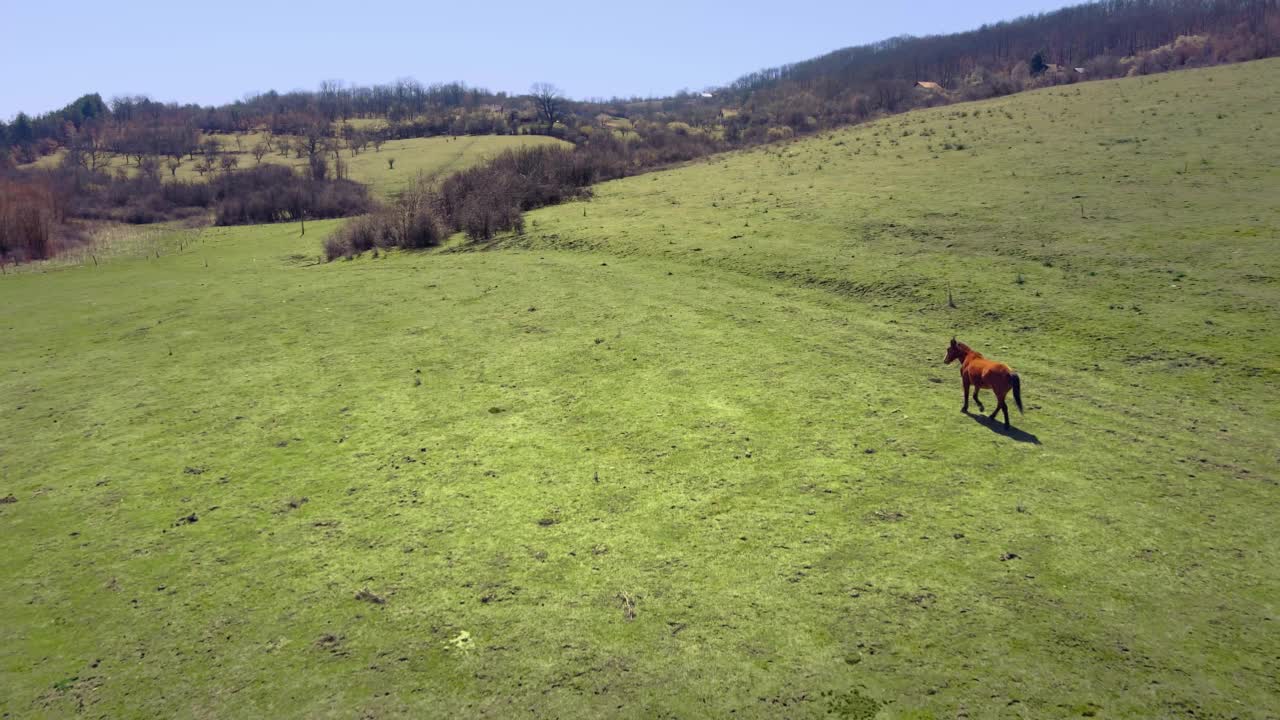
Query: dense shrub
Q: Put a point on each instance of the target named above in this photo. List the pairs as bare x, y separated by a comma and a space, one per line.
336, 246
273, 193
266, 193
29, 212
410, 223
414, 221
482, 215
362, 233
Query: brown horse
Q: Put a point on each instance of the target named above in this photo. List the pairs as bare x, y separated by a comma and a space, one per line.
981, 373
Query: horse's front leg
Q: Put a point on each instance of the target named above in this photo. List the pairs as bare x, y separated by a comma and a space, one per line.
976, 390
965, 380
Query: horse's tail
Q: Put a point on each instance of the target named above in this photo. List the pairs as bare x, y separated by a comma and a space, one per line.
1017, 390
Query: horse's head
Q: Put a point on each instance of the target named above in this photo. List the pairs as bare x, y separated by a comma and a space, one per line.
954, 352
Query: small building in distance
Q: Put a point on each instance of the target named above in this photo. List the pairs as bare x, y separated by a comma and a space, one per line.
927, 85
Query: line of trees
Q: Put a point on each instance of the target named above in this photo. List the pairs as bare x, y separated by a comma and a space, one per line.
260, 194
1106, 39
43, 211
1111, 38
1069, 37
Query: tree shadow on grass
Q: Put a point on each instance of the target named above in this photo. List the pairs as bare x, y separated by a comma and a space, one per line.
997, 427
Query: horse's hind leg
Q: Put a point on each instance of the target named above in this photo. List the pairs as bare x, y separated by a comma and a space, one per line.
1000, 405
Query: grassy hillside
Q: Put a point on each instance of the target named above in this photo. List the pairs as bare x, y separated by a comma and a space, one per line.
687, 449
416, 155
432, 156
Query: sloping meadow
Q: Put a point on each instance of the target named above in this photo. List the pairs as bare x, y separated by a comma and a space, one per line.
687, 448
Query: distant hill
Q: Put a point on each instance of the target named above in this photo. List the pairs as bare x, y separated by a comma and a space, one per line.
1089, 41
387, 171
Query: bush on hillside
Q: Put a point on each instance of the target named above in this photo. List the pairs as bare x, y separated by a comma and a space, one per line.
262, 194
29, 214
272, 193
412, 223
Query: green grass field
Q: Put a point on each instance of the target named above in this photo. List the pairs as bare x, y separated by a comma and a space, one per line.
437, 156
429, 156
687, 449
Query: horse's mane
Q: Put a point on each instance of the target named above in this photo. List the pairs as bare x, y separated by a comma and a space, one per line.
968, 350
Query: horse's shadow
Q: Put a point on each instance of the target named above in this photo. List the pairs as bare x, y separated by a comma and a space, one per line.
997, 427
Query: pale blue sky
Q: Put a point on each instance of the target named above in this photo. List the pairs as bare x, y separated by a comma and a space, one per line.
215, 52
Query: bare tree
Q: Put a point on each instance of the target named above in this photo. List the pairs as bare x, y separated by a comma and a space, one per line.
229, 162
75, 158
149, 166
210, 149
890, 94
319, 168
93, 142
391, 163
180, 142
357, 142
259, 150
550, 103
313, 139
